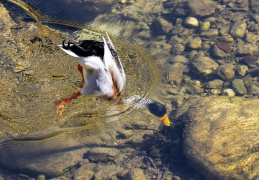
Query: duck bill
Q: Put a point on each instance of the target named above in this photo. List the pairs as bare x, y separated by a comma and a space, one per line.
165, 120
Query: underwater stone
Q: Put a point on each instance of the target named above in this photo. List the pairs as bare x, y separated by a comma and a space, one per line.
215, 84
209, 33
162, 26
241, 70
226, 71
102, 154
177, 49
224, 46
217, 52
220, 137
204, 66
252, 38
202, 7
239, 87
180, 58
195, 43
238, 29
204, 26
246, 49
191, 21
136, 174
228, 92
254, 89
175, 73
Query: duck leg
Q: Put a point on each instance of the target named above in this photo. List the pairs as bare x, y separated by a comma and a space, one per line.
80, 69
61, 104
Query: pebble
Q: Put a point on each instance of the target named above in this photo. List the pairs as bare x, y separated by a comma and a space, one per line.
204, 26
180, 58
209, 33
195, 43
136, 174
177, 49
226, 71
215, 84
162, 25
241, 70
254, 89
228, 92
191, 21
238, 29
41, 177
102, 154
252, 38
205, 66
217, 52
246, 49
175, 74
239, 87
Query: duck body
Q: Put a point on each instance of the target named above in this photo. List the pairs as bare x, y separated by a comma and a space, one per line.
101, 69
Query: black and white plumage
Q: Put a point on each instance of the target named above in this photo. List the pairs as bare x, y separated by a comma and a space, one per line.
101, 68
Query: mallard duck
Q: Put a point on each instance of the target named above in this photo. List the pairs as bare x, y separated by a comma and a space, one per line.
102, 73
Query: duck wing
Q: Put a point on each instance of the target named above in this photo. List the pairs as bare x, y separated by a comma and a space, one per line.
113, 65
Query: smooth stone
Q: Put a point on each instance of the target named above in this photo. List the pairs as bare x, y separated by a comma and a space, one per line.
136, 174
204, 66
238, 29
162, 25
41, 177
241, 70
220, 137
180, 59
239, 87
226, 71
252, 38
175, 73
246, 49
228, 92
204, 26
210, 32
254, 89
202, 7
215, 91
83, 173
107, 172
218, 52
102, 154
177, 49
191, 21
195, 43
215, 84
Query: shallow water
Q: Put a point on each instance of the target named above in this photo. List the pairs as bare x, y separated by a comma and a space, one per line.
35, 74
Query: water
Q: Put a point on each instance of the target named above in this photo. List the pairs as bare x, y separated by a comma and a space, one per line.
35, 74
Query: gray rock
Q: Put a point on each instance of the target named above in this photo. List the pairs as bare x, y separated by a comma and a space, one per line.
204, 66
220, 137
175, 73
215, 84
202, 7
102, 154
191, 21
239, 87
238, 29
136, 174
210, 33
226, 71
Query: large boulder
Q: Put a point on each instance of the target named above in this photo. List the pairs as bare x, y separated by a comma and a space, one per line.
221, 137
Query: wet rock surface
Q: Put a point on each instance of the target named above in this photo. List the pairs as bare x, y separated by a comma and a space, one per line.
219, 137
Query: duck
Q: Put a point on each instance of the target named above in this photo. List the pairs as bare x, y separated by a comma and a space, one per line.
102, 74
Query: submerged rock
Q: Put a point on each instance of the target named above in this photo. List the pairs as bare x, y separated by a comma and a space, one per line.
204, 66
191, 21
202, 7
239, 86
220, 137
226, 71
238, 29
